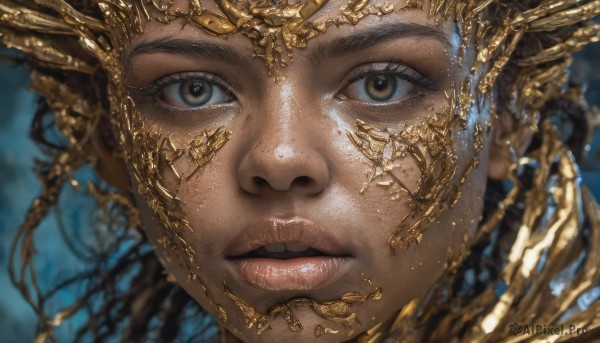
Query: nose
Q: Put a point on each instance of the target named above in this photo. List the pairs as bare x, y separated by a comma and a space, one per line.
286, 152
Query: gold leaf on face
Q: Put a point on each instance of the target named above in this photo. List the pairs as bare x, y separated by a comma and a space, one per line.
337, 311
205, 145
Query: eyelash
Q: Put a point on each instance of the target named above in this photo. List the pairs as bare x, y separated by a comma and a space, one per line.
392, 69
156, 86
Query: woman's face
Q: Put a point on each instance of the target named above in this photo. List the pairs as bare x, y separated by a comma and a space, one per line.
291, 199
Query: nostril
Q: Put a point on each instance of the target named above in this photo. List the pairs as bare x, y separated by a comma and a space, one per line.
302, 181
259, 181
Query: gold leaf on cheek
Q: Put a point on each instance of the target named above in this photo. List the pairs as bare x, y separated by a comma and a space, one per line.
152, 155
204, 147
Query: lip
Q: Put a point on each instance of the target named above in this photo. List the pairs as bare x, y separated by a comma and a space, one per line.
303, 273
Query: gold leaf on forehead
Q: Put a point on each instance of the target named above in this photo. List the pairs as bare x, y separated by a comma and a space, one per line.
275, 27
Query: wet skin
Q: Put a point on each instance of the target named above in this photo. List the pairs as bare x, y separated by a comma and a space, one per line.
290, 174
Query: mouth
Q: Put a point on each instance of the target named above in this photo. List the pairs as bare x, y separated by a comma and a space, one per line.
294, 254
284, 251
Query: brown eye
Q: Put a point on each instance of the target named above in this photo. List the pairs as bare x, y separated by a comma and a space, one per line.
380, 87
195, 93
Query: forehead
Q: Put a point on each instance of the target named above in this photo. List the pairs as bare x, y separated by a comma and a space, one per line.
276, 29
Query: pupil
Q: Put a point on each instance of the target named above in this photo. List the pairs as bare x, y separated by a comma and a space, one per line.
195, 93
381, 83
196, 88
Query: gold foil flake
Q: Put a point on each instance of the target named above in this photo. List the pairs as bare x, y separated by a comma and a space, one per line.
221, 314
337, 311
152, 155
72, 112
454, 259
559, 16
252, 317
414, 4
43, 51
26, 19
321, 330
373, 144
72, 16
204, 147
536, 86
275, 27
500, 62
465, 100
441, 10
473, 163
373, 335
355, 10
578, 40
429, 144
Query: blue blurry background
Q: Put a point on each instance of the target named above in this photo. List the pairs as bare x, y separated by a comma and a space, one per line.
18, 186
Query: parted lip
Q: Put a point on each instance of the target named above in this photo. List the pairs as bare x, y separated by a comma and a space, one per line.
271, 230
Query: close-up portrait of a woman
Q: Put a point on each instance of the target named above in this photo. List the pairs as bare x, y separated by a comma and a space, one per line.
305, 171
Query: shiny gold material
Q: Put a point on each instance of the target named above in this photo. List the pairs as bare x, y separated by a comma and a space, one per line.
429, 144
547, 244
275, 27
337, 311
437, 188
204, 147
321, 330
68, 48
152, 155
414, 4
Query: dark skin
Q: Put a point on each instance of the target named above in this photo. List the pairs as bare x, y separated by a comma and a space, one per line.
307, 166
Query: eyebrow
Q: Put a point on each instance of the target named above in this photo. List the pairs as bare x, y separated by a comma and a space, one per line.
188, 47
376, 35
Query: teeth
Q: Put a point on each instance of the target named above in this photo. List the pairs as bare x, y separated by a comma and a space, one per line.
296, 247
275, 247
